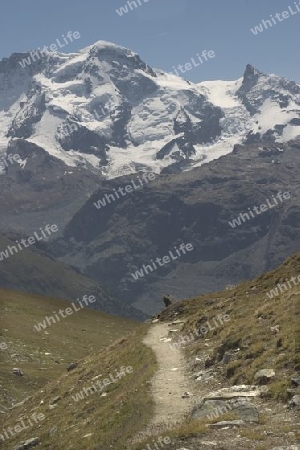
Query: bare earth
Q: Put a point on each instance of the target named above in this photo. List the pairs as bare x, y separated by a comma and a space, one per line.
170, 381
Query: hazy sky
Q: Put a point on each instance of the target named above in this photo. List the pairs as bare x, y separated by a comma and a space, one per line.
164, 32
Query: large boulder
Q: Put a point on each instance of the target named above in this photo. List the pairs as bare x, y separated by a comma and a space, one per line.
264, 376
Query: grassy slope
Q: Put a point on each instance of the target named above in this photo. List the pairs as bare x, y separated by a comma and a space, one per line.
107, 420
32, 270
69, 340
252, 315
99, 422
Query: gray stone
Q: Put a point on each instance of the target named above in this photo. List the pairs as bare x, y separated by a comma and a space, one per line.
17, 405
227, 423
295, 380
237, 391
72, 366
227, 357
55, 400
17, 371
264, 376
204, 375
288, 447
215, 408
210, 408
247, 412
53, 431
30, 443
295, 402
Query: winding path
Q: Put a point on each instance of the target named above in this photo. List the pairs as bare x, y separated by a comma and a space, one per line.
170, 381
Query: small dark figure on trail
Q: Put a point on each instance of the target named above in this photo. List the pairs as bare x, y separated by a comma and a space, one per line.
72, 366
168, 300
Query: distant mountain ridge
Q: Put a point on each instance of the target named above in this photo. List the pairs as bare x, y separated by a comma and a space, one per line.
111, 243
78, 121
105, 109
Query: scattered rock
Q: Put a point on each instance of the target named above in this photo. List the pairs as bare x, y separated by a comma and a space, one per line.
214, 443
247, 411
55, 400
164, 339
228, 356
204, 375
209, 362
295, 380
72, 366
295, 402
53, 431
197, 362
33, 442
186, 395
227, 423
232, 392
212, 409
264, 376
215, 408
18, 372
177, 322
275, 329
16, 405
289, 447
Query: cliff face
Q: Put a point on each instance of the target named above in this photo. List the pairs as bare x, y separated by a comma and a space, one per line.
111, 243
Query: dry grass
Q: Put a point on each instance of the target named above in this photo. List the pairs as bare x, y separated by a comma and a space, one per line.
83, 332
106, 421
98, 422
249, 330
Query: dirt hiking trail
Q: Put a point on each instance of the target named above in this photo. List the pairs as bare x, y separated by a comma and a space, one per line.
170, 382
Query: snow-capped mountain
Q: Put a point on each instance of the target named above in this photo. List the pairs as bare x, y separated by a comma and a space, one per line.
105, 109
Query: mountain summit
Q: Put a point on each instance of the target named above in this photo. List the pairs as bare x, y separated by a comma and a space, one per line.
105, 109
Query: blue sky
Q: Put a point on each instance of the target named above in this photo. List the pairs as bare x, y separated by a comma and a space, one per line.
164, 32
